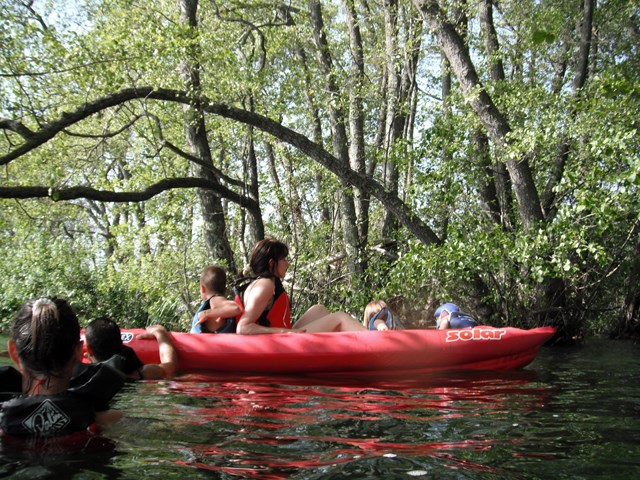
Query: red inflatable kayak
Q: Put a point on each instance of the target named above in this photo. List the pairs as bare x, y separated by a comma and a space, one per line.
351, 353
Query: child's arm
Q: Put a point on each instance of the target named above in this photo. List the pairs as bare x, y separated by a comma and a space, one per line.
168, 355
444, 321
380, 325
220, 309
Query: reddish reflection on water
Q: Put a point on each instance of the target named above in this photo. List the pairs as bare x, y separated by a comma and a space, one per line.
354, 449
280, 426
574, 414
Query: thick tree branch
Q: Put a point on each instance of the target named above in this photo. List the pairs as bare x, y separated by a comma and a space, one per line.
74, 193
18, 127
414, 224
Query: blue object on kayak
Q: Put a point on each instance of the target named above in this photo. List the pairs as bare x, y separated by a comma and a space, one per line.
449, 307
457, 319
389, 318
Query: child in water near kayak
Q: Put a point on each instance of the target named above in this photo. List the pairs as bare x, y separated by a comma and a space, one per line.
379, 316
216, 313
104, 345
45, 345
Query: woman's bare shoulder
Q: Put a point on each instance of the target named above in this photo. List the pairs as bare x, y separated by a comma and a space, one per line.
264, 282
261, 286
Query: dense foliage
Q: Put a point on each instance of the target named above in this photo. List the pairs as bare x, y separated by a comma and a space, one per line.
144, 140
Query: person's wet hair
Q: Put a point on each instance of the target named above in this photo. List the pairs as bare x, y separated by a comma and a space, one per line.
46, 333
103, 338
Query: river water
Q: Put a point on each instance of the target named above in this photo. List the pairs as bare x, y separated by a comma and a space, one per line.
574, 413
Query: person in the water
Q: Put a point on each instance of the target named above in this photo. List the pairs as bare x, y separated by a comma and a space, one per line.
45, 345
104, 345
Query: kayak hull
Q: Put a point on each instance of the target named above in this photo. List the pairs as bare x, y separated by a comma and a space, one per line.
350, 353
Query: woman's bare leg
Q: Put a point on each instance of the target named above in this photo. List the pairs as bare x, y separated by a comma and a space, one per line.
315, 312
333, 322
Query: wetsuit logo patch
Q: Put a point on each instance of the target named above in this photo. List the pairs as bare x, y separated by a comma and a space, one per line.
126, 337
46, 419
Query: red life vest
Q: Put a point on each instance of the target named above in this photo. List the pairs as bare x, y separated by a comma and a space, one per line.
278, 312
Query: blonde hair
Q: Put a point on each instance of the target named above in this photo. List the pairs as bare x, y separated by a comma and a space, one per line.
371, 309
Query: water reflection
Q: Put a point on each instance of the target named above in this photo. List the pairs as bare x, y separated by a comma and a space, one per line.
55, 458
292, 425
572, 414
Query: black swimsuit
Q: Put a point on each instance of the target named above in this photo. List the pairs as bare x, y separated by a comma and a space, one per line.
53, 415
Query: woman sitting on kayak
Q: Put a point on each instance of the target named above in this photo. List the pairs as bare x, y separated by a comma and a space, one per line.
266, 303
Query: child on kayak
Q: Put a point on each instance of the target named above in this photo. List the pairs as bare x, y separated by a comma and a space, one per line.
45, 345
450, 316
104, 345
379, 316
216, 313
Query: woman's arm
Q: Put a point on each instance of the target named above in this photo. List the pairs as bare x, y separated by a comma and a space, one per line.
256, 299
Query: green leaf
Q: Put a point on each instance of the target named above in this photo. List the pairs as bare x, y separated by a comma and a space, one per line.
540, 36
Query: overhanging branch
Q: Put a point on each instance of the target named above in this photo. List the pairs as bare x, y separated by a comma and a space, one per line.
362, 181
17, 127
74, 193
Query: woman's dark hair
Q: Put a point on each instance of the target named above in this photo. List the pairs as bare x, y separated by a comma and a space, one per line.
103, 338
263, 252
46, 333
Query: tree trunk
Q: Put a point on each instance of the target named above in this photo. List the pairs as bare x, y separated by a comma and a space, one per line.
492, 119
409, 85
285, 220
325, 214
97, 211
488, 191
445, 89
353, 244
631, 319
213, 215
564, 147
356, 123
256, 226
392, 128
498, 175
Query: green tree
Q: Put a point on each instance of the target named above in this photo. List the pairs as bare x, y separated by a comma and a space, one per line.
174, 134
